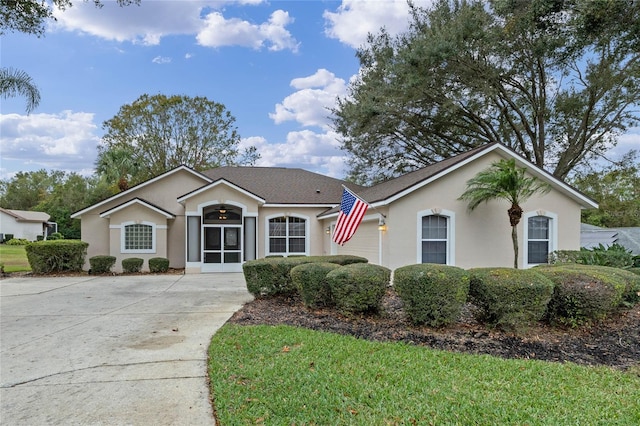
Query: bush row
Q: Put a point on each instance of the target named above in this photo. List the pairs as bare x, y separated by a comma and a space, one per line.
506, 298
102, 264
347, 282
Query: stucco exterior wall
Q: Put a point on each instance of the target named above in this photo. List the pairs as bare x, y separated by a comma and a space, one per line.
162, 193
27, 230
482, 237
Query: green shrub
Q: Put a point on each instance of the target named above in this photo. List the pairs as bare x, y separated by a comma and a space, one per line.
615, 256
272, 275
358, 287
635, 270
310, 279
56, 236
158, 264
56, 256
8, 237
18, 242
101, 264
583, 293
510, 299
132, 264
432, 294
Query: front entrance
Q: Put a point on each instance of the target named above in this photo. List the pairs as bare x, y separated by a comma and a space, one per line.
222, 239
222, 248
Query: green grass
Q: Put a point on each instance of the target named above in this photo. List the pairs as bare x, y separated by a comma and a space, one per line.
284, 376
14, 258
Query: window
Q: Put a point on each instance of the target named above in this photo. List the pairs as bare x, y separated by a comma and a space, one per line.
287, 235
538, 242
434, 239
138, 238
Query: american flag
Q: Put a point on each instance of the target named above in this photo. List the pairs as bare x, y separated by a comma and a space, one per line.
352, 210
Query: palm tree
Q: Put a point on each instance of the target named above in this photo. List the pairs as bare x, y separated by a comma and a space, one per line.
504, 181
16, 82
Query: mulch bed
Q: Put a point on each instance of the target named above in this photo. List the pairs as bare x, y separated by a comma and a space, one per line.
614, 342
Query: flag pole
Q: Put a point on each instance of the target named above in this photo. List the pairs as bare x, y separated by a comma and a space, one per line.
363, 200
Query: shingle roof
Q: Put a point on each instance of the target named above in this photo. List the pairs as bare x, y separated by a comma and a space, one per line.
278, 185
388, 189
27, 216
628, 237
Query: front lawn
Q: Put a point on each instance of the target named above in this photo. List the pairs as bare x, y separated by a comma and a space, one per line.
285, 375
14, 258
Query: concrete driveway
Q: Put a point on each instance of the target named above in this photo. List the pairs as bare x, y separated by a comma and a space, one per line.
118, 350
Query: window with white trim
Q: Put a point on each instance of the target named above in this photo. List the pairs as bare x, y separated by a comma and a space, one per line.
435, 239
287, 235
539, 239
138, 238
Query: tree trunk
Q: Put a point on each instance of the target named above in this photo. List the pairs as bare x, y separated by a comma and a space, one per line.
514, 237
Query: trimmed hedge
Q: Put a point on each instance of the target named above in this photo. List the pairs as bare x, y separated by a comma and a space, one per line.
56, 256
583, 293
272, 275
358, 287
101, 264
510, 299
132, 264
158, 264
432, 294
310, 279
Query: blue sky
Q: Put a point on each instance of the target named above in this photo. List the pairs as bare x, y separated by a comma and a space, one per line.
277, 66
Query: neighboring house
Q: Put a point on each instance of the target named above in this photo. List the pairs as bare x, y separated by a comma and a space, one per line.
23, 224
592, 236
215, 220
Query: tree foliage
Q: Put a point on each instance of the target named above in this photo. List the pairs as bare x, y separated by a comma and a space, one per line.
555, 80
15, 82
30, 16
504, 181
157, 133
617, 190
55, 192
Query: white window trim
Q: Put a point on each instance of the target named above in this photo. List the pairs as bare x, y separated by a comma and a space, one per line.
553, 234
451, 233
307, 235
154, 236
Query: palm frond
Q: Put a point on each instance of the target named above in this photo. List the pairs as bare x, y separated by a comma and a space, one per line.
15, 82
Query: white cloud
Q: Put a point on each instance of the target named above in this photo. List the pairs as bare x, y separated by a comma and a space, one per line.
145, 24
161, 60
311, 104
150, 21
355, 19
318, 152
219, 31
65, 141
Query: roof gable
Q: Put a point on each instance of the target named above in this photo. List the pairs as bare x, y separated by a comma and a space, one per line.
141, 185
141, 202
279, 185
218, 182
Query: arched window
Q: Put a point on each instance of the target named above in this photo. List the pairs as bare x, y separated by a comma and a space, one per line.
540, 237
435, 236
287, 235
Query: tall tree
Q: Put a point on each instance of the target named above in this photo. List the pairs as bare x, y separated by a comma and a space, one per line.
555, 80
161, 132
18, 83
504, 181
30, 16
617, 190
